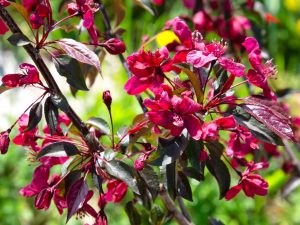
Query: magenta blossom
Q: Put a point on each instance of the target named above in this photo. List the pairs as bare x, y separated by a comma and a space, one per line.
252, 184
86, 9
116, 191
26, 138
29, 76
214, 51
147, 71
3, 27
44, 190
175, 113
260, 73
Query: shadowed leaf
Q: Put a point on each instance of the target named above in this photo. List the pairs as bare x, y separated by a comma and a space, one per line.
35, 116
59, 149
76, 196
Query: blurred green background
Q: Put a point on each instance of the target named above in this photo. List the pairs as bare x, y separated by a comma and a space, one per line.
282, 42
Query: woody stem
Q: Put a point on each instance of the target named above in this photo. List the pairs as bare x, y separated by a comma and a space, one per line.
39, 62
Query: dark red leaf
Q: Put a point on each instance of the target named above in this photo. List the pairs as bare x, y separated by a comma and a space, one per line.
76, 196
79, 52
271, 114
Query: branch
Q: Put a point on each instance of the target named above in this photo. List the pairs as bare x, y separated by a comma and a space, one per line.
39, 62
121, 57
171, 207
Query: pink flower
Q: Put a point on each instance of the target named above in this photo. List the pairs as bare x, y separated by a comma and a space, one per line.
261, 72
44, 190
26, 138
252, 184
174, 113
4, 141
30, 76
116, 191
147, 71
241, 143
86, 9
210, 52
30, 4
181, 30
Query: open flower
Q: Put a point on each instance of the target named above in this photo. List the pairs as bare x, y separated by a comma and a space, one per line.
251, 184
44, 190
86, 9
174, 113
260, 73
29, 76
147, 71
116, 191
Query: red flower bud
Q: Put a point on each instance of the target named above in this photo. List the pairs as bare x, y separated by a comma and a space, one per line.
107, 98
115, 46
4, 141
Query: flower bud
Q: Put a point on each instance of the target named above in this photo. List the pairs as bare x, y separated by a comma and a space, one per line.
107, 98
4, 141
115, 46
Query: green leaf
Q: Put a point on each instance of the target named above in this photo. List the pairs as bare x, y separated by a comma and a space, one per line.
70, 68
58, 149
169, 150
60, 102
51, 115
257, 129
220, 171
184, 187
18, 39
133, 214
124, 172
100, 124
35, 116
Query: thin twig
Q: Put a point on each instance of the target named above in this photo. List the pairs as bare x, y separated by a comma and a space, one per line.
183, 208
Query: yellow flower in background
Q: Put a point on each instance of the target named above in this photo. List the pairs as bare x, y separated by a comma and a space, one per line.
166, 37
292, 5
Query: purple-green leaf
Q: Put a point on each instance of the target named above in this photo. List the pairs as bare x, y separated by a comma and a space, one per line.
76, 196
271, 114
79, 52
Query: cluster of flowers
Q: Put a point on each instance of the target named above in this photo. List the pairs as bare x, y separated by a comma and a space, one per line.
183, 82
175, 108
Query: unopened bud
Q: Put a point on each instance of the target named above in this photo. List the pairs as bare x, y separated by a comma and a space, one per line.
107, 98
115, 46
4, 142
